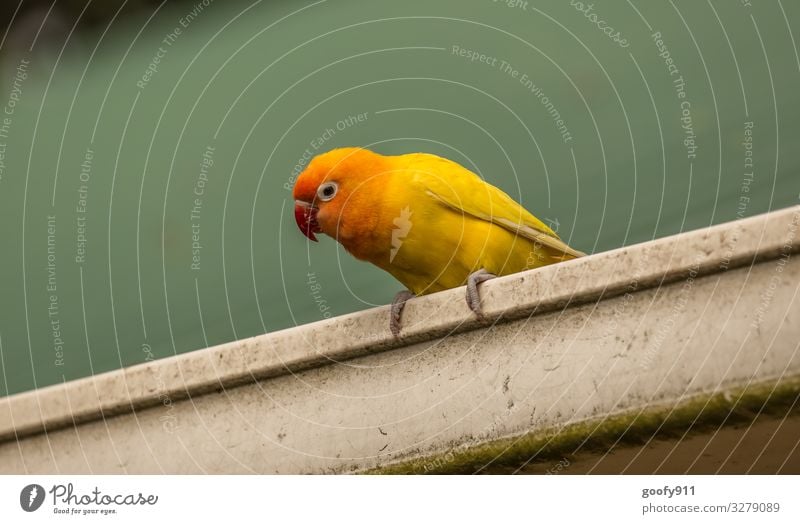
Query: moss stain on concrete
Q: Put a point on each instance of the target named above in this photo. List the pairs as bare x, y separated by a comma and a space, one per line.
698, 414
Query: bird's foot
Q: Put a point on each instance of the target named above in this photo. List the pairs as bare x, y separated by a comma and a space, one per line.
473, 298
398, 303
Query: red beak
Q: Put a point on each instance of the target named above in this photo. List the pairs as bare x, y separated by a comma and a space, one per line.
306, 217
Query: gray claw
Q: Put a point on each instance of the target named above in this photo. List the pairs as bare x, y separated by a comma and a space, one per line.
398, 303
473, 298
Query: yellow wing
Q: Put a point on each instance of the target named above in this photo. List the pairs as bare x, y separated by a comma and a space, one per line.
465, 192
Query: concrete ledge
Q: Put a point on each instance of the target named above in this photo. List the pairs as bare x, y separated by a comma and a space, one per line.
652, 323
704, 411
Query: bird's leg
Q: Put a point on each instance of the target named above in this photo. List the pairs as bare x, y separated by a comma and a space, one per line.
398, 303
473, 298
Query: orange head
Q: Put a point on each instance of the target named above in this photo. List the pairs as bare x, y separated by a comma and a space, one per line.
335, 193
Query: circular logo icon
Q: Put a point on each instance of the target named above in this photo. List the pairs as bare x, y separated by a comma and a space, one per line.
31, 497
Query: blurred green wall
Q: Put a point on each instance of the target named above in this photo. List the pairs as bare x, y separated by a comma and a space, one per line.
99, 155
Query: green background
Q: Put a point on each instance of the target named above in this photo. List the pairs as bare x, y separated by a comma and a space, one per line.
259, 82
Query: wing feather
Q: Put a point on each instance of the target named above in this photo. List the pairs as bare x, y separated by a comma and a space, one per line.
465, 192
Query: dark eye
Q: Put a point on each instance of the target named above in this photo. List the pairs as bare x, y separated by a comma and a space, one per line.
327, 191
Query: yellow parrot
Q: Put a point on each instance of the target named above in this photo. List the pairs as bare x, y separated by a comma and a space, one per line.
428, 221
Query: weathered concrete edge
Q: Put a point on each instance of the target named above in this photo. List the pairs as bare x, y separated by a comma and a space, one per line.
701, 411
638, 267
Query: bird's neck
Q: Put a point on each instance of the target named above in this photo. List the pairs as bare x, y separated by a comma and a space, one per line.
367, 225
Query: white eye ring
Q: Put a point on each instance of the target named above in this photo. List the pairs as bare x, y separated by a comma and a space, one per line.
327, 191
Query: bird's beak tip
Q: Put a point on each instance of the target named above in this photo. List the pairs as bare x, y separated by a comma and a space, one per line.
306, 217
